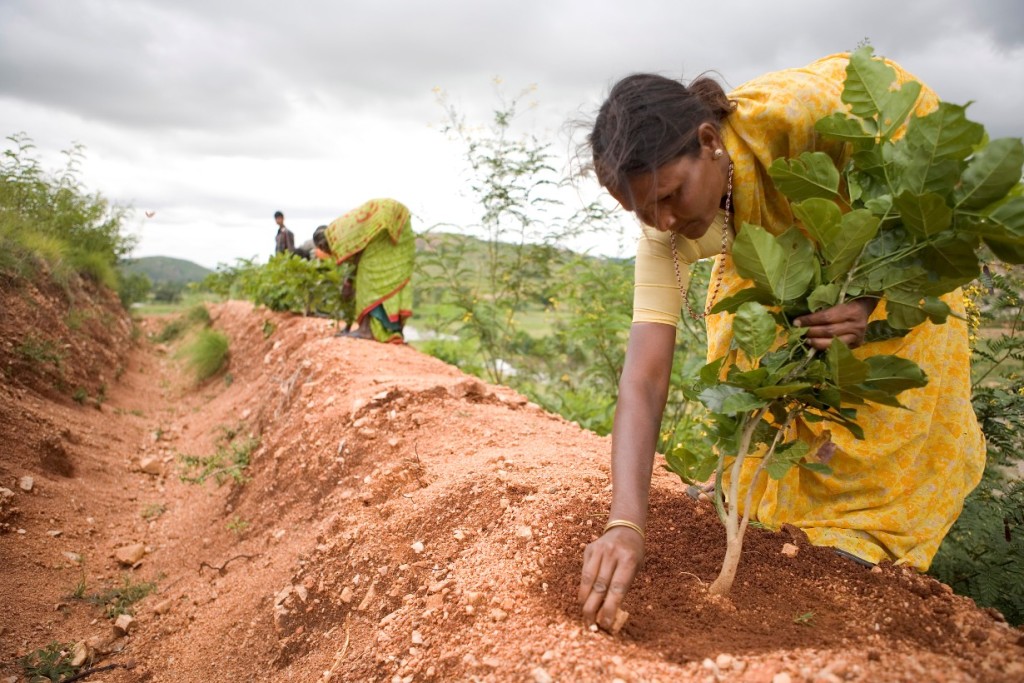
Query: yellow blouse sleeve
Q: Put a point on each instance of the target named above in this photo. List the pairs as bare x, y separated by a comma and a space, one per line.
657, 296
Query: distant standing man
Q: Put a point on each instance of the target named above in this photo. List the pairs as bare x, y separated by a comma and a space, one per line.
285, 237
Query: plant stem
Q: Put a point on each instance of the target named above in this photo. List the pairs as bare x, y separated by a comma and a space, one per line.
733, 535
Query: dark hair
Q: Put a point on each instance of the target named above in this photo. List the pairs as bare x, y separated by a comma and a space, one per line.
648, 120
320, 239
278, 213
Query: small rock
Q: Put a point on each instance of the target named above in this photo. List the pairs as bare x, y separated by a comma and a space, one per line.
435, 601
74, 557
393, 442
790, 550
459, 535
151, 465
723, 661
508, 604
346, 595
54, 533
977, 635
5, 494
499, 614
163, 607
418, 547
417, 638
782, 677
541, 675
130, 555
79, 654
123, 625
26, 483
473, 597
368, 598
99, 644
524, 532
621, 617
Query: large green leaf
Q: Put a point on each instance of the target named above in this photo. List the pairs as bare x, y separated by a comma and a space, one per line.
925, 214
951, 263
781, 390
856, 229
729, 400
881, 330
946, 133
868, 84
782, 266
812, 174
894, 374
919, 171
731, 303
747, 379
753, 329
840, 237
784, 457
870, 91
862, 393
709, 373
903, 309
823, 296
860, 132
692, 466
845, 368
990, 174
1003, 230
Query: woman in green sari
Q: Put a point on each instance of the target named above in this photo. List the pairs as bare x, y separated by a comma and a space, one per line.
376, 238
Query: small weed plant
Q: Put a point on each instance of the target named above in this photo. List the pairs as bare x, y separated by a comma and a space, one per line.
229, 462
120, 599
237, 525
153, 511
50, 663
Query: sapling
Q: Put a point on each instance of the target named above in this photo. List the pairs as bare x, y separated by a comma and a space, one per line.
901, 221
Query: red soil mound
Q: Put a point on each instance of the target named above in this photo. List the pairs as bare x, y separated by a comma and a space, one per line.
402, 521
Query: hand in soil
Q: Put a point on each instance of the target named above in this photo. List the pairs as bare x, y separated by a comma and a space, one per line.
609, 565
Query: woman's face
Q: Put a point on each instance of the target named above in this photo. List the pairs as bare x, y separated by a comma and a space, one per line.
682, 196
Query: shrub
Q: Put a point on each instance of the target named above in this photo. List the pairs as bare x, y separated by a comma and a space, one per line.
50, 221
983, 555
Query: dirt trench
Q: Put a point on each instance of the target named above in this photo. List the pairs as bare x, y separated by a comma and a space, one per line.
402, 521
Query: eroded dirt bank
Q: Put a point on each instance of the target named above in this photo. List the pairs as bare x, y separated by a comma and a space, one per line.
403, 521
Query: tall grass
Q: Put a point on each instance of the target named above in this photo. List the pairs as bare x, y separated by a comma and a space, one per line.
207, 354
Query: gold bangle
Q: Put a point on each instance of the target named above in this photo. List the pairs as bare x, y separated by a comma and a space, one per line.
626, 523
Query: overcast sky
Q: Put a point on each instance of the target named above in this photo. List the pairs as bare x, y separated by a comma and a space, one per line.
213, 114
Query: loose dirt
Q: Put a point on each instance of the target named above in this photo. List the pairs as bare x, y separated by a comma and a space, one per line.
402, 521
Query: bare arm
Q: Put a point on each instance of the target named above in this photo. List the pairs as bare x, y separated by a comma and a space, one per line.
611, 562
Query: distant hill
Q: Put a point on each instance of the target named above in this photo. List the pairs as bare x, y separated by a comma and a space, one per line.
164, 269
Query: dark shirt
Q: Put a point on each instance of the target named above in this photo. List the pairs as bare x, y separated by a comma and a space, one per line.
285, 241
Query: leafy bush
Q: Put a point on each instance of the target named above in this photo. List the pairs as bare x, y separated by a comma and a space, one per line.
51, 221
207, 354
285, 283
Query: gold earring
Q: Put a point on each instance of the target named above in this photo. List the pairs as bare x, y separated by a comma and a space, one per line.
718, 153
